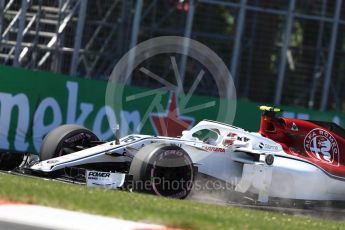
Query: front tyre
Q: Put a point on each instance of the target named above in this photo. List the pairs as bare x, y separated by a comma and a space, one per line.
164, 170
66, 139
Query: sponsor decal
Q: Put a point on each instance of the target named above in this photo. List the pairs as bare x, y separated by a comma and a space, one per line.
269, 147
322, 146
131, 138
170, 153
229, 140
78, 137
232, 137
52, 161
98, 174
69, 108
213, 149
104, 179
261, 145
244, 139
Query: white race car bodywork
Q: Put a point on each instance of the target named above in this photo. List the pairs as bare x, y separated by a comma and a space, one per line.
235, 156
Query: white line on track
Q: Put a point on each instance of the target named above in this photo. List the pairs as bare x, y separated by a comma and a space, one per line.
53, 218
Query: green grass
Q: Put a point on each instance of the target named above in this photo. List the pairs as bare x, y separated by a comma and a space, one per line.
174, 213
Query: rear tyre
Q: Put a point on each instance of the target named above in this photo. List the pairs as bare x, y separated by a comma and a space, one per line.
164, 170
64, 140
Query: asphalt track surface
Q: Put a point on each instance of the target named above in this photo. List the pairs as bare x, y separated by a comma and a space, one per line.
14, 226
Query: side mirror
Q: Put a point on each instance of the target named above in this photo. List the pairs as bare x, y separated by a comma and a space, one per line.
184, 132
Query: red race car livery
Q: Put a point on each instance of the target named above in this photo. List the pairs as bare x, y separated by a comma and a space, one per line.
319, 142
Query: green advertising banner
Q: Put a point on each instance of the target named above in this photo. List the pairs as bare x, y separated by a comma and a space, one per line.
33, 103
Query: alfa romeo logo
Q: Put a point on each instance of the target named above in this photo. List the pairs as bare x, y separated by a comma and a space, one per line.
321, 145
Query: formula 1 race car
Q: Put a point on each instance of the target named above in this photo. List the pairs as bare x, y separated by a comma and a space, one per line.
287, 159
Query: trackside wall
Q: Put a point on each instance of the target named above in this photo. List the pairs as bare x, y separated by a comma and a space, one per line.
32, 103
